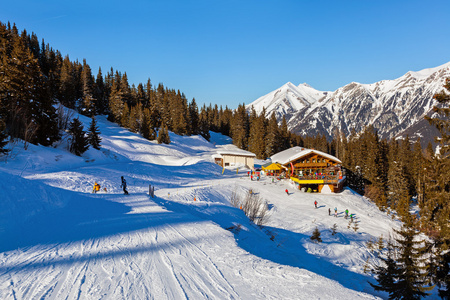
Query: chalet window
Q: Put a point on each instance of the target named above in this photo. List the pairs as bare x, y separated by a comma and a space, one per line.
307, 160
313, 160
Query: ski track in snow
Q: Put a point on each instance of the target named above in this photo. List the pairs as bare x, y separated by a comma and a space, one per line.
80, 245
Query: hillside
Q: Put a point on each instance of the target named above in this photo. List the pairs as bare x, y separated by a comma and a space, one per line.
394, 107
58, 240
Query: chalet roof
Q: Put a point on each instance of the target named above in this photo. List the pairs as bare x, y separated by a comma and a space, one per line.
294, 153
236, 152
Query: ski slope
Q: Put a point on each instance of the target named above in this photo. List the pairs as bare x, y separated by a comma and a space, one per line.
58, 240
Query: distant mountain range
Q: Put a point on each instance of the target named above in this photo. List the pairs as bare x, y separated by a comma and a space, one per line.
394, 107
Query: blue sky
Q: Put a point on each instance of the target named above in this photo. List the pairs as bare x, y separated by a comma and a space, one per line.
232, 52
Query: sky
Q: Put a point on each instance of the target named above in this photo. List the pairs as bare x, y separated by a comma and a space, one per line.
232, 52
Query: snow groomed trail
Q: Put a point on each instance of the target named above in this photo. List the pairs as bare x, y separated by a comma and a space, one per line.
60, 241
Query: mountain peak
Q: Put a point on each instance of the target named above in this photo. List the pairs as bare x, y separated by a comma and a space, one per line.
424, 73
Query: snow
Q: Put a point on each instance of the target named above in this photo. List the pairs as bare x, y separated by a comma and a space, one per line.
58, 240
293, 153
392, 106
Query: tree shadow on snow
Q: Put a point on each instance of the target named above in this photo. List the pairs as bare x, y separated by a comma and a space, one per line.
286, 248
83, 218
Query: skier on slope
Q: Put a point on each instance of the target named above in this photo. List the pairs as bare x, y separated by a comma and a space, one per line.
96, 188
124, 186
315, 203
287, 192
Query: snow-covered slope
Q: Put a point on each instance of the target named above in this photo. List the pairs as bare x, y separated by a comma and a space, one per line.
60, 241
393, 107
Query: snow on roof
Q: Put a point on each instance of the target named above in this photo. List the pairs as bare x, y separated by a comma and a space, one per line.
236, 152
293, 153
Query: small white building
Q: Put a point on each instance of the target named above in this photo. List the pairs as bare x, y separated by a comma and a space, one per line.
228, 158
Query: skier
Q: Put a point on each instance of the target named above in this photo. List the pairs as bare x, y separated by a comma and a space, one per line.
329, 211
351, 218
124, 186
315, 204
287, 192
335, 211
346, 213
96, 188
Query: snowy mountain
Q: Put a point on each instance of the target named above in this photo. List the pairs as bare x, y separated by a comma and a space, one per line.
393, 107
58, 240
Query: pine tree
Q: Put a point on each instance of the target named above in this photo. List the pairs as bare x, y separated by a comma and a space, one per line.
147, 130
411, 280
88, 103
3, 137
402, 273
67, 87
285, 136
240, 127
387, 272
316, 236
26, 102
93, 135
334, 229
193, 117
398, 187
203, 124
256, 139
272, 136
78, 141
163, 135
437, 191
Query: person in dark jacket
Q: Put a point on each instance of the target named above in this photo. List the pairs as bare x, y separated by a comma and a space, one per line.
124, 186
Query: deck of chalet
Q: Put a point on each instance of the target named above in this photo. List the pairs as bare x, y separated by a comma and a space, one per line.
311, 169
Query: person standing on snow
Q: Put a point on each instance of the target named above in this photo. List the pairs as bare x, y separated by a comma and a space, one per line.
315, 204
96, 188
287, 192
335, 212
124, 186
329, 211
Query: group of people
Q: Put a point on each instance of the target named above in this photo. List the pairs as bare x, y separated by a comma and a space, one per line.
335, 212
123, 185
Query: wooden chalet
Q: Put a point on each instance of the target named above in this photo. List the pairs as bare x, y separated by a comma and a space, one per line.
309, 168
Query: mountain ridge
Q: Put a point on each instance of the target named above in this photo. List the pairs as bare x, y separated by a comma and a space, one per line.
394, 107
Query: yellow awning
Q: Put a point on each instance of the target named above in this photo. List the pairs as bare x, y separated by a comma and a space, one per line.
273, 167
308, 181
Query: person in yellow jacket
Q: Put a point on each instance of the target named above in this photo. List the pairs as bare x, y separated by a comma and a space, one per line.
96, 188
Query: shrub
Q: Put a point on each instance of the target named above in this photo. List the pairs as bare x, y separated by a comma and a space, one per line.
316, 236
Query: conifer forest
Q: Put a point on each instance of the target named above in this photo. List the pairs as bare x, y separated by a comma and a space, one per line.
36, 80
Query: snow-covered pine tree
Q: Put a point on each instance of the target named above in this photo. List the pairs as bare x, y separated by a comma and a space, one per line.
78, 141
93, 134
